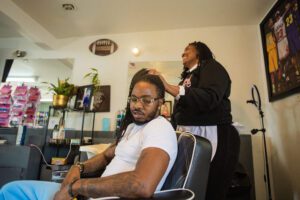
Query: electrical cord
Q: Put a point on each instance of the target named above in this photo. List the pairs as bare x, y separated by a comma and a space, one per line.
38, 148
69, 151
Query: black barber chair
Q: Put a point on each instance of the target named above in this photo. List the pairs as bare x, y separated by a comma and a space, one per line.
18, 163
188, 177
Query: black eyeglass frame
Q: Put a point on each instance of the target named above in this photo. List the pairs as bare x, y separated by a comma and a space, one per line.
143, 100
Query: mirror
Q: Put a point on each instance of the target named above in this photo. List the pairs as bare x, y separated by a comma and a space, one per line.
33, 72
171, 70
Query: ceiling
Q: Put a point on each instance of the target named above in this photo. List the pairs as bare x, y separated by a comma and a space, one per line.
8, 28
98, 17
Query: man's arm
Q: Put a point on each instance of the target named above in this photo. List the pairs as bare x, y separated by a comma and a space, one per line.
94, 164
140, 182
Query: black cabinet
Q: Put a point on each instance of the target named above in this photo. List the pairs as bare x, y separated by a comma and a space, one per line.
243, 185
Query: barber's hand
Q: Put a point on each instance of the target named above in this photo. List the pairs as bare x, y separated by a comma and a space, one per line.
157, 73
63, 194
73, 174
154, 72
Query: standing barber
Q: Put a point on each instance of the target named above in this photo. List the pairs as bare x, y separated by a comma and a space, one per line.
202, 107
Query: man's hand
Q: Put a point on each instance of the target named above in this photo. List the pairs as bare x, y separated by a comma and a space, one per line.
73, 174
63, 194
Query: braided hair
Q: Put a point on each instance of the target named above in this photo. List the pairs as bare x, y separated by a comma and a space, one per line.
140, 76
203, 53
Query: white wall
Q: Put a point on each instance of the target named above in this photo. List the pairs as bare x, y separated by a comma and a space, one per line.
283, 135
237, 48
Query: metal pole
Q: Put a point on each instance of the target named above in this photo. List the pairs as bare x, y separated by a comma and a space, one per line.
82, 125
263, 130
93, 127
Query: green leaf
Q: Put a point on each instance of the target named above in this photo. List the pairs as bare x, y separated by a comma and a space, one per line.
87, 75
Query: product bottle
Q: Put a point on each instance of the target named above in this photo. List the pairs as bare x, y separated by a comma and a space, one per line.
61, 131
55, 132
21, 135
119, 119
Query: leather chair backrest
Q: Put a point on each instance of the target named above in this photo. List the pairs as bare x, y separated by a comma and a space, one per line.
191, 168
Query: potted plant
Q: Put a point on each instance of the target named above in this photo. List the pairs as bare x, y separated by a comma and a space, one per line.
95, 80
94, 77
61, 92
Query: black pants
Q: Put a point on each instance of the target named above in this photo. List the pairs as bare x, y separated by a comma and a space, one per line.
224, 162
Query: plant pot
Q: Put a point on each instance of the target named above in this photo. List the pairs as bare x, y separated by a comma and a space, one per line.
60, 101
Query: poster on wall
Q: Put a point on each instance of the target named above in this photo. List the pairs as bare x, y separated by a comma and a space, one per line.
280, 32
83, 97
101, 99
166, 109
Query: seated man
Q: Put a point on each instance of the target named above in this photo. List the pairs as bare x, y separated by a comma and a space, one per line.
136, 166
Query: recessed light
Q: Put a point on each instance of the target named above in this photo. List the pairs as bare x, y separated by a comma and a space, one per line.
68, 6
135, 51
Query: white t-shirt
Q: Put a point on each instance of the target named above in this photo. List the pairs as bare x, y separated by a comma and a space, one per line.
157, 133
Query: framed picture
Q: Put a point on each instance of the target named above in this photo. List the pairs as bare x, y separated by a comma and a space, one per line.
101, 99
166, 109
280, 32
83, 97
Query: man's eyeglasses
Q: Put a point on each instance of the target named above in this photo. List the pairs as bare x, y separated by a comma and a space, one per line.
143, 100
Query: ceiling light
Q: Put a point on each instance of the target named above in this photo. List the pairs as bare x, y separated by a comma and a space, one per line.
20, 54
68, 6
135, 51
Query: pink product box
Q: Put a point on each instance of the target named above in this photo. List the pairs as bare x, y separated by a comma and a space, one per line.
4, 115
32, 104
4, 122
5, 96
21, 90
17, 113
4, 105
20, 103
20, 98
18, 107
5, 101
29, 118
30, 111
6, 89
34, 98
4, 110
34, 91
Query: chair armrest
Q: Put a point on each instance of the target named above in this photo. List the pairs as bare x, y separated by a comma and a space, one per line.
173, 194
94, 149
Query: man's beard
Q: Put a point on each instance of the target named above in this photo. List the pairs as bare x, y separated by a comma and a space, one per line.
151, 116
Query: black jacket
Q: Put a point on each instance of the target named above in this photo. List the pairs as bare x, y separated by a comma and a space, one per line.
206, 101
